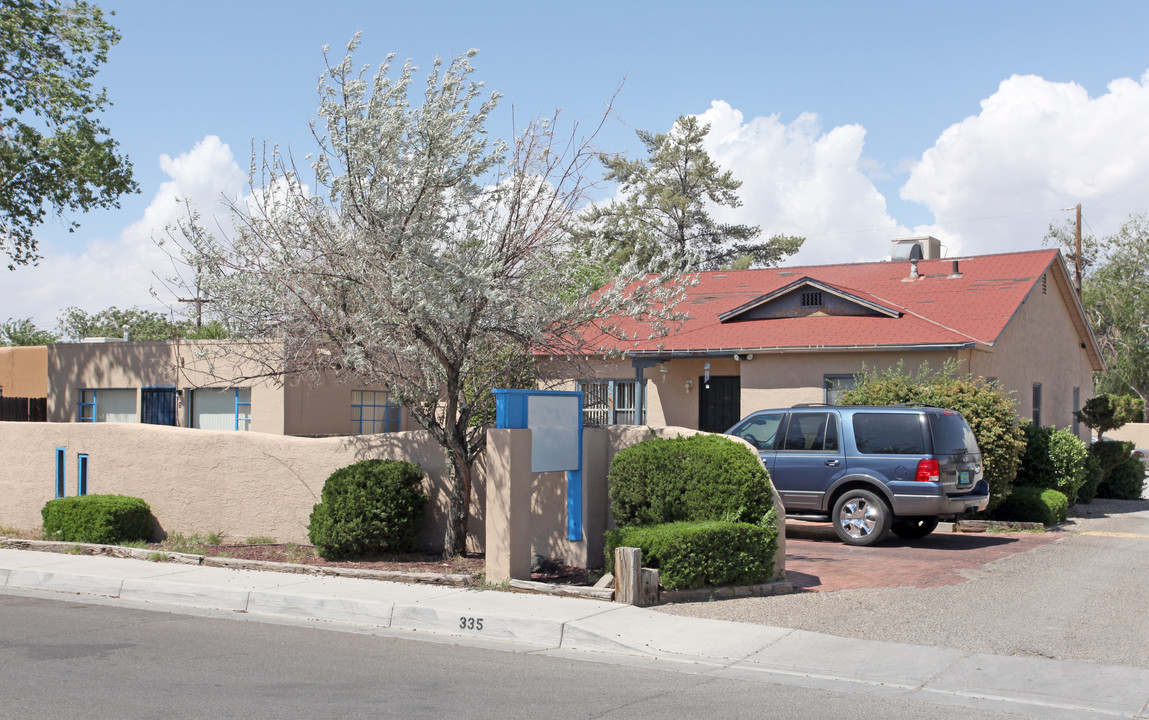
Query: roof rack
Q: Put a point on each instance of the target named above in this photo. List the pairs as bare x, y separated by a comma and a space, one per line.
926, 405
804, 405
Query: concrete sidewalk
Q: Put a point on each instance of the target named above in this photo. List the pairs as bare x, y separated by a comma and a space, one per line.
594, 630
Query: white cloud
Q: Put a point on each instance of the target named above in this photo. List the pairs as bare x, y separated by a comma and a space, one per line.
996, 180
799, 180
120, 272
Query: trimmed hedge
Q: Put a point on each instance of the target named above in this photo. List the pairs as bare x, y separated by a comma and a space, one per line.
1028, 503
700, 554
370, 507
1093, 478
104, 519
701, 477
1053, 459
1126, 481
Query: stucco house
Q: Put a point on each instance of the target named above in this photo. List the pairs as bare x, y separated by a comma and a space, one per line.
194, 384
780, 336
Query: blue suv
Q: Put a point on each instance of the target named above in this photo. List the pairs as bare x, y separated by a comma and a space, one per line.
870, 470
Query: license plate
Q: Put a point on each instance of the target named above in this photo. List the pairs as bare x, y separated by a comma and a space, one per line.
964, 477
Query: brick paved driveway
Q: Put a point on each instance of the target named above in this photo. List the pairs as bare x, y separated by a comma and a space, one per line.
817, 561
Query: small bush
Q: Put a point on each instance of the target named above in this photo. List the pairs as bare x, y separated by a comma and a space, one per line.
1028, 503
105, 519
700, 554
1053, 459
370, 507
701, 477
1124, 482
1093, 477
1110, 453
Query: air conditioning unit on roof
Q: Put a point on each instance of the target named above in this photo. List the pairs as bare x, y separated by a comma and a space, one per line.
931, 247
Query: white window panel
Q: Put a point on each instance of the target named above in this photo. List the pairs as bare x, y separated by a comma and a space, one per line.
109, 405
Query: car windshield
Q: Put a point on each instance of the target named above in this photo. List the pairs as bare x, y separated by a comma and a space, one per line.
952, 434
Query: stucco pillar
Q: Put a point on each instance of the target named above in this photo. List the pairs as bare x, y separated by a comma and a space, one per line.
508, 526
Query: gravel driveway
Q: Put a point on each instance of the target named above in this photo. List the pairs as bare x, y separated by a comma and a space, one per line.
1083, 597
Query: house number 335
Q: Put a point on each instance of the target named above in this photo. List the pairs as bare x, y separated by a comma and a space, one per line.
470, 623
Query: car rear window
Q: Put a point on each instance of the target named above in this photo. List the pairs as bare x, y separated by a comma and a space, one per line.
890, 434
952, 434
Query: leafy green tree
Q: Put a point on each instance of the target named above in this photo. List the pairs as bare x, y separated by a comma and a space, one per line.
1109, 412
54, 153
422, 251
663, 222
24, 332
1115, 294
77, 324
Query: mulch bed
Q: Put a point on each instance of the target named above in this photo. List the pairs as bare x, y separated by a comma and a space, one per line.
469, 564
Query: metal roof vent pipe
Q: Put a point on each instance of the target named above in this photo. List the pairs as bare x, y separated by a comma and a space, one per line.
127, 333
955, 273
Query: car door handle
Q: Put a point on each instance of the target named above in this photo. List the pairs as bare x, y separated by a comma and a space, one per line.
831, 463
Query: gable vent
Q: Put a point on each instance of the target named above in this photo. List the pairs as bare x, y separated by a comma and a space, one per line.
1044, 284
812, 298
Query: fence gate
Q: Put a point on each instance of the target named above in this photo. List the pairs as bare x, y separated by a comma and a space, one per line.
159, 406
22, 409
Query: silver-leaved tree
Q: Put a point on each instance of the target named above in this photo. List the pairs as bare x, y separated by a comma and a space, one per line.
427, 256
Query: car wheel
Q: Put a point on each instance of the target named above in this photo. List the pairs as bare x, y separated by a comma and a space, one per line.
861, 517
914, 528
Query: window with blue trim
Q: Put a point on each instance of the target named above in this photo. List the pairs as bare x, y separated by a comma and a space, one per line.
221, 408
373, 412
108, 405
61, 488
608, 402
82, 474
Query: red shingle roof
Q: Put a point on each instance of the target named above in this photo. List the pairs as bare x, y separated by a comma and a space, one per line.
935, 310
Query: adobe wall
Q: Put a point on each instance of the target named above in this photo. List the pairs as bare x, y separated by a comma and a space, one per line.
24, 371
1136, 433
201, 481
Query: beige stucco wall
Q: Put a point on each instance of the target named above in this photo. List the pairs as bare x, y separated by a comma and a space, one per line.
1041, 345
24, 371
238, 484
325, 408
1136, 433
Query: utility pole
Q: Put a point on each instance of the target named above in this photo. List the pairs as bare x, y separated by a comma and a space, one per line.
1077, 251
199, 301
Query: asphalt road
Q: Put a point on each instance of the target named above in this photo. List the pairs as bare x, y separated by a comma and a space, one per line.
1082, 597
64, 659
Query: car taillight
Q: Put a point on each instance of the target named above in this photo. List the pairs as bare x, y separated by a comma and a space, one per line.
928, 470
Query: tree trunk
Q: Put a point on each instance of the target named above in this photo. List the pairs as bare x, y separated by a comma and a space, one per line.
458, 506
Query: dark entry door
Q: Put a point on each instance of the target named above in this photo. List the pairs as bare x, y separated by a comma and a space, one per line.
159, 406
719, 403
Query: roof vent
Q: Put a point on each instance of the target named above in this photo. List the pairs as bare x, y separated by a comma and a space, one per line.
955, 273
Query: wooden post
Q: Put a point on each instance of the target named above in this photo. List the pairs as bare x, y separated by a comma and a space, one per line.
627, 575
648, 588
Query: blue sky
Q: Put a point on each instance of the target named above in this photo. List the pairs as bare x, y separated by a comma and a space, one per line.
850, 123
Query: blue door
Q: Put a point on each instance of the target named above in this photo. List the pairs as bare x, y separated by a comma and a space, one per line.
159, 406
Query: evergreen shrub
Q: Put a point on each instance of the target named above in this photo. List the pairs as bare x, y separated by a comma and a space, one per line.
1053, 459
701, 477
1126, 481
105, 519
1029, 503
370, 507
1093, 478
692, 555
991, 414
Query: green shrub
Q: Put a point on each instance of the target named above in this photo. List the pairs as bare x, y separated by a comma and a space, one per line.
701, 554
991, 414
105, 519
701, 477
1124, 482
1053, 459
1110, 453
369, 507
1093, 477
1028, 503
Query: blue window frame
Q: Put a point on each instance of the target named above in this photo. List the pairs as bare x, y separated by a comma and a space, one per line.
243, 408
82, 474
373, 412
61, 488
88, 405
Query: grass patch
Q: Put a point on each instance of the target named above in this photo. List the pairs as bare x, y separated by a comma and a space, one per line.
259, 540
21, 534
191, 544
158, 557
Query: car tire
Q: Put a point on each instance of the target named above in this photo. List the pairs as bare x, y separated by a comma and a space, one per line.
914, 528
861, 517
